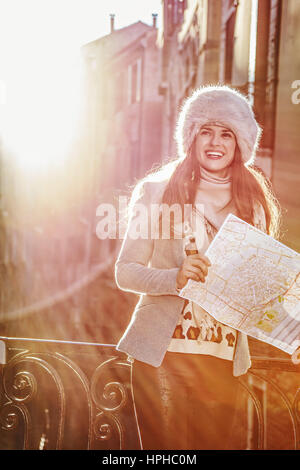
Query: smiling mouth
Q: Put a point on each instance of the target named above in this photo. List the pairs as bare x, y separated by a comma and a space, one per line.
214, 155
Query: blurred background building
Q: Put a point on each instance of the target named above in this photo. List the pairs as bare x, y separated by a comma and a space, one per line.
124, 106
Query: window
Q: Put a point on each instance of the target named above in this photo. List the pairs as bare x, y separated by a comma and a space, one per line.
229, 47
108, 97
134, 82
175, 13
119, 90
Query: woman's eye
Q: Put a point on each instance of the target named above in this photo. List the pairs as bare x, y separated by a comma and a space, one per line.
227, 135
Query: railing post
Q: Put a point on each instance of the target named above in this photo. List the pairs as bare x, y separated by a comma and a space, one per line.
2, 353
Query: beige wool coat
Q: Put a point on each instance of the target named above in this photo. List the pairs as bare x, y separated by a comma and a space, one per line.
149, 267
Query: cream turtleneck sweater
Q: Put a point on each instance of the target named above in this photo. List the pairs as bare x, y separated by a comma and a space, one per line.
214, 192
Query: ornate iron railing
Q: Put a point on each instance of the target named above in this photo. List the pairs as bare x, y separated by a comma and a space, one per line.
76, 395
66, 395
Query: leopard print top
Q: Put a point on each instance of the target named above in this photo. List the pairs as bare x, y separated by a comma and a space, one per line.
197, 332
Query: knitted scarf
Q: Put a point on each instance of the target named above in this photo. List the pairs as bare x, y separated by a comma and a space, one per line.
213, 203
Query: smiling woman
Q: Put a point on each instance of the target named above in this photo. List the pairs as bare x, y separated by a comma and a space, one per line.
215, 147
185, 363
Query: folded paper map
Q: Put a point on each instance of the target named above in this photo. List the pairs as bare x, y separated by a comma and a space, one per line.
253, 285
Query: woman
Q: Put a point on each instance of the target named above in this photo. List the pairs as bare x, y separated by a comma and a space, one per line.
185, 364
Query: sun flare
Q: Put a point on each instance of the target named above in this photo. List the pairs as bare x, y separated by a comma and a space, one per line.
40, 114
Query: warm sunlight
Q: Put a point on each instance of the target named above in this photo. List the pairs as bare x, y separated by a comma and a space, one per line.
40, 114
41, 72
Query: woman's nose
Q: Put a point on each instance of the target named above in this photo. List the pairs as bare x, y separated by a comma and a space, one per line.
215, 138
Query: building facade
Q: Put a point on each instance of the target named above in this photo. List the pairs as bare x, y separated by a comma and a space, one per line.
252, 45
124, 106
286, 156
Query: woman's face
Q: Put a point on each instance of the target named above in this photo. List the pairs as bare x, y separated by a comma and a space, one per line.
215, 147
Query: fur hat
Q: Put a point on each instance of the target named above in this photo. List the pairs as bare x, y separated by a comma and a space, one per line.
220, 105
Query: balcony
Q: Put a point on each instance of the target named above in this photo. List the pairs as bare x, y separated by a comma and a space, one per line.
77, 395
66, 395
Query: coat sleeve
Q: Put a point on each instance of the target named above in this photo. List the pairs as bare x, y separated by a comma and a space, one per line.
132, 272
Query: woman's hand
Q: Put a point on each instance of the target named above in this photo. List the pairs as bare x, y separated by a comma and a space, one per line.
296, 356
194, 267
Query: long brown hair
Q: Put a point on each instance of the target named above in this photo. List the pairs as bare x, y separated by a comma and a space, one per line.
249, 188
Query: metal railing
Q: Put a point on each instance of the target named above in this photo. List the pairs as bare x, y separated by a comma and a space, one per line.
66, 395
77, 395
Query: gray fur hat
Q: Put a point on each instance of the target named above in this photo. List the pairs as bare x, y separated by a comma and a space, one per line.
218, 105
